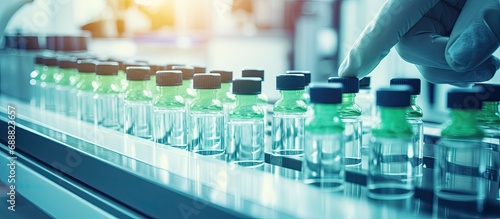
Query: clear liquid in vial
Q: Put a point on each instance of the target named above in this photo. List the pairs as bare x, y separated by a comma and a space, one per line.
109, 111
170, 127
353, 141
417, 139
245, 142
206, 133
137, 121
86, 106
288, 134
323, 163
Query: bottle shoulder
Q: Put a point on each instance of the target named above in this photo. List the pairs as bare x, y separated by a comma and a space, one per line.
459, 131
200, 104
290, 106
169, 101
414, 111
392, 129
105, 88
322, 125
137, 95
349, 110
246, 112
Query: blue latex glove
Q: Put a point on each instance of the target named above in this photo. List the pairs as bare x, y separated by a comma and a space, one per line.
450, 41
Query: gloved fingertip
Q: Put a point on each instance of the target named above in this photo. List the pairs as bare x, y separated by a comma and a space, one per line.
472, 47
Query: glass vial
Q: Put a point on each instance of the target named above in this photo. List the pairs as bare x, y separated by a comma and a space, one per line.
289, 115
489, 119
365, 101
414, 116
323, 163
138, 103
169, 110
66, 103
263, 99
460, 163
206, 116
391, 146
245, 128
307, 78
152, 80
350, 113
48, 84
108, 96
85, 90
224, 93
35, 99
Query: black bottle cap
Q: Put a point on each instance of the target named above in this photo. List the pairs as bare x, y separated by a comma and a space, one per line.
29, 43
350, 85
67, 62
253, 73
206, 81
364, 83
307, 75
465, 98
491, 92
200, 69
394, 96
156, 67
169, 78
325, 93
138, 73
225, 76
51, 61
106, 68
187, 71
290, 82
86, 66
414, 83
40, 60
247, 86
127, 64
171, 66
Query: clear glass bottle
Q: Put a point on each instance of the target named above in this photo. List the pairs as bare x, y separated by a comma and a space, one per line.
391, 146
85, 93
245, 128
123, 71
108, 96
35, 99
152, 81
289, 116
307, 75
460, 163
169, 110
365, 101
414, 116
138, 103
48, 84
323, 163
66, 102
350, 113
224, 93
207, 117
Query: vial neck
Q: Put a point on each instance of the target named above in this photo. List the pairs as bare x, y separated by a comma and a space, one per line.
106, 79
463, 124
348, 99
326, 111
135, 85
186, 84
168, 91
206, 94
246, 100
291, 95
464, 117
389, 114
87, 76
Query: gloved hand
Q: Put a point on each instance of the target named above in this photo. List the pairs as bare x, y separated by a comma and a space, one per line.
450, 41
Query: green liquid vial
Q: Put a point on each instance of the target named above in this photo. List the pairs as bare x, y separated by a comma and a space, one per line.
138, 105
169, 111
224, 93
460, 156
35, 99
350, 113
108, 96
66, 102
323, 161
245, 128
289, 116
391, 146
414, 116
48, 83
207, 117
85, 90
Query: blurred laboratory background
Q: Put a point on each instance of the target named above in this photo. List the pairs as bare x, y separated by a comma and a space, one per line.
221, 34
